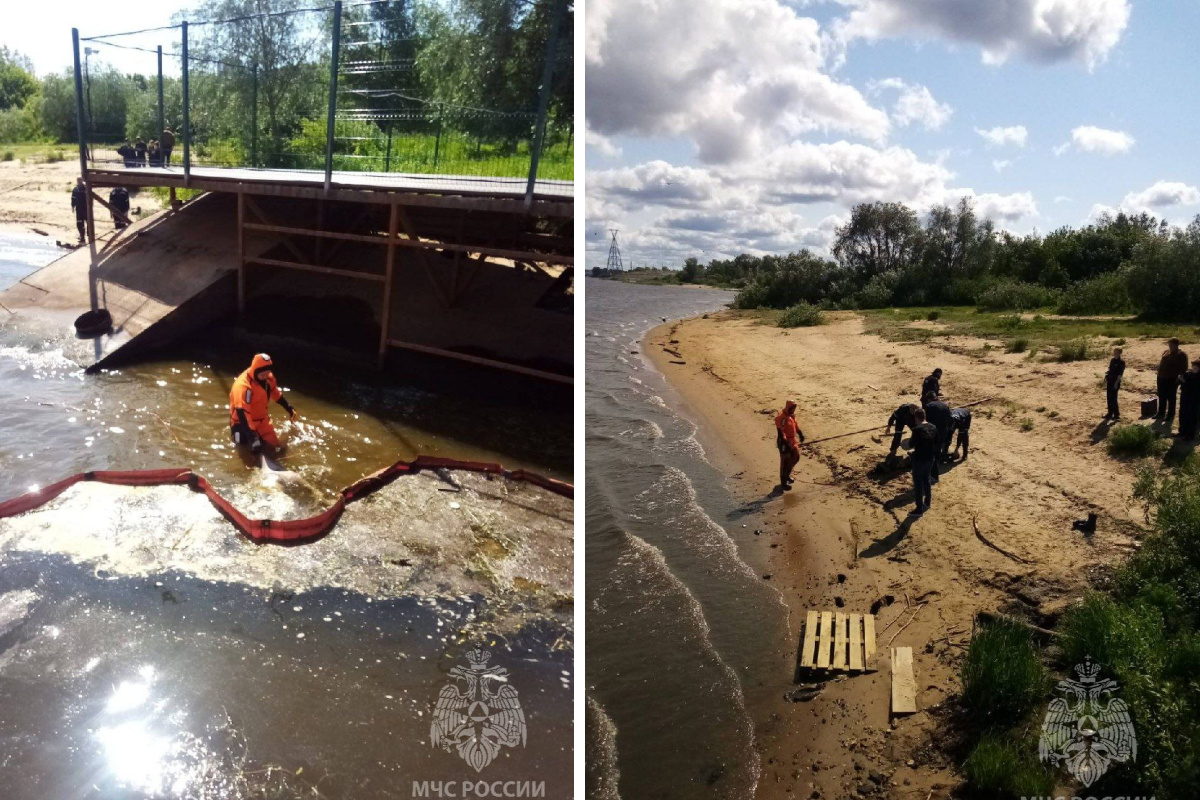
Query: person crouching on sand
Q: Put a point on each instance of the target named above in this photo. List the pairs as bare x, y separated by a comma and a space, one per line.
788, 437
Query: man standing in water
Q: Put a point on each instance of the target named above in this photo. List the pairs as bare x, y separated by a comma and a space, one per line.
788, 437
249, 417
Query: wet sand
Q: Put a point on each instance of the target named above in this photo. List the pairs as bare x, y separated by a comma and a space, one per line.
842, 536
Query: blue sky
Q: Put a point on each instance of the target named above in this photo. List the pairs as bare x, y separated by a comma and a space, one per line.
724, 126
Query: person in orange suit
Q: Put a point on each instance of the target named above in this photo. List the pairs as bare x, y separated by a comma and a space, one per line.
788, 437
249, 417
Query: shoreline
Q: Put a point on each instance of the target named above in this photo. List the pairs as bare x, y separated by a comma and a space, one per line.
842, 536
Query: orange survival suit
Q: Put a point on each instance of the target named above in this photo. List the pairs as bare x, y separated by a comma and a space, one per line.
249, 417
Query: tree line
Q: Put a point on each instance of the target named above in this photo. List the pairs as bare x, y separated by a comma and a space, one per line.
886, 255
473, 65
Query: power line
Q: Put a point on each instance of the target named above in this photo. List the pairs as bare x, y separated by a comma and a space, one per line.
614, 253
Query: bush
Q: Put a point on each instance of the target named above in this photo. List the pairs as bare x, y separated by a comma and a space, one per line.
1002, 676
9, 155
1018, 345
879, 291
1137, 441
1103, 294
55, 156
1026, 424
1012, 296
801, 315
932, 316
1002, 766
1076, 350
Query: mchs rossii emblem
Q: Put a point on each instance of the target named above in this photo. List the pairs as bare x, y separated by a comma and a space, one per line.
478, 713
1087, 729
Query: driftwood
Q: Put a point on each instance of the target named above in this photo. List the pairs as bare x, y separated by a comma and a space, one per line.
905, 625
996, 547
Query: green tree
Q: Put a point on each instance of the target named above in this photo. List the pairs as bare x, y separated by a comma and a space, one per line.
690, 271
17, 83
879, 238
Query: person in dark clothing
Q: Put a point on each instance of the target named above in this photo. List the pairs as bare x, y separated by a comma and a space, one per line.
1112, 384
1174, 362
153, 154
1189, 402
139, 151
960, 420
932, 383
924, 460
128, 154
938, 414
166, 144
118, 198
79, 204
902, 417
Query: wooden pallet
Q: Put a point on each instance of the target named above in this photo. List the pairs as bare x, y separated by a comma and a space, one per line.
834, 640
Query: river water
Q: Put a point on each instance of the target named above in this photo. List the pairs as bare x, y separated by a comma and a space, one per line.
173, 684
680, 630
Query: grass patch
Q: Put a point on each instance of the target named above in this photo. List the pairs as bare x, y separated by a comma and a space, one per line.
9, 155
1026, 424
1135, 441
1005, 766
1076, 350
1017, 345
1002, 675
933, 316
801, 315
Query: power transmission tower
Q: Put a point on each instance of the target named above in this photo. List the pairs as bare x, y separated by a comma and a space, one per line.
614, 253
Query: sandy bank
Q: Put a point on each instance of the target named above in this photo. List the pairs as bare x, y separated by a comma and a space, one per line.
843, 534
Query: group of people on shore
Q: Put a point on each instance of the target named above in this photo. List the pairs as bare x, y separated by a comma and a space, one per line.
934, 424
1178, 386
155, 153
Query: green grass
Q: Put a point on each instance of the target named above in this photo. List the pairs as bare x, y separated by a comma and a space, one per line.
1006, 766
1002, 675
1076, 350
1135, 441
1026, 424
801, 315
1017, 345
1037, 331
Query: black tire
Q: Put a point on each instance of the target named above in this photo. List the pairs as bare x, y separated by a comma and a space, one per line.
91, 324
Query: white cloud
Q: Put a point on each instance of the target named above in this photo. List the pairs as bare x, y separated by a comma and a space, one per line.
1005, 207
1043, 31
1014, 135
602, 144
736, 77
1161, 195
1090, 139
915, 104
1001, 164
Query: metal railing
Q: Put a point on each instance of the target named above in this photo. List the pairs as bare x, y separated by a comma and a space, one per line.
361, 87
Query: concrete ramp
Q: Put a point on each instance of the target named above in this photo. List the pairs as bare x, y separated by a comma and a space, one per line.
161, 278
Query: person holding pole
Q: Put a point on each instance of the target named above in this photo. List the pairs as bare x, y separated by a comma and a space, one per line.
788, 437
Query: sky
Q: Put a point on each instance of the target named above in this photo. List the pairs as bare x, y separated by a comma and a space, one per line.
717, 127
42, 31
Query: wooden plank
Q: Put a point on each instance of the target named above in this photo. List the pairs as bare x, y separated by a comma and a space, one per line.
385, 315
258, 212
868, 640
904, 686
111, 209
839, 640
810, 640
348, 237
856, 659
487, 362
344, 273
824, 640
241, 239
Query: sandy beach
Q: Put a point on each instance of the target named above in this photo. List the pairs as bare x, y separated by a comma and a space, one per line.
842, 537
35, 196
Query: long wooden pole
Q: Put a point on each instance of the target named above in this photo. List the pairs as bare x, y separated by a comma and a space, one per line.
487, 362
241, 240
385, 315
879, 427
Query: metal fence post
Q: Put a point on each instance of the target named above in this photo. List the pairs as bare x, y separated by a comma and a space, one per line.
437, 143
539, 132
162, 123
80, 126
254, 117
186, 132
333, 80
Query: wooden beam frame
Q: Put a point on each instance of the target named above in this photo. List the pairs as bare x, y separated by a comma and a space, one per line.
241, 243
344, 273
486, 362
258, 212
411, 233
109, 206
385, 315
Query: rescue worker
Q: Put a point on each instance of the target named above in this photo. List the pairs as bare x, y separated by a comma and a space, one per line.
960, 420
1112, 384
166, 143
1174, 362
924, 461
902, 417
249, 417
1189, 402
118, 198
937, 412
788, 437
79, 204
932, 383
